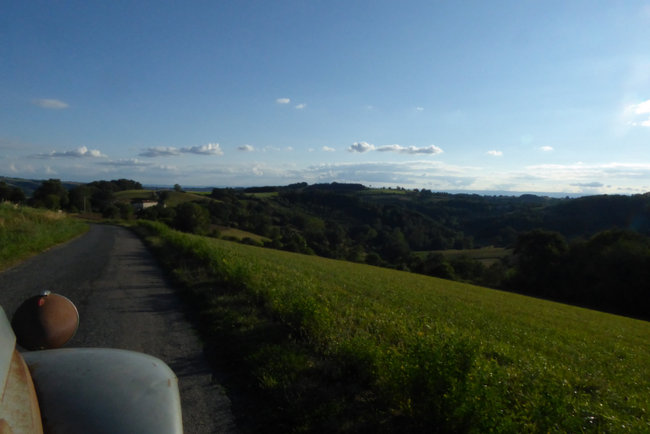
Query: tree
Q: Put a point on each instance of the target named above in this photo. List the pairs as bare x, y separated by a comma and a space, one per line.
51, 194
191, 217
11, 193
80, 198
540, 257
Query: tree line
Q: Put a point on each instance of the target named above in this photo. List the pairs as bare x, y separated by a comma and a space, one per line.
592, 251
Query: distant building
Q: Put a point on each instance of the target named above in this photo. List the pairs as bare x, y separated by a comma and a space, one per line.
139, 205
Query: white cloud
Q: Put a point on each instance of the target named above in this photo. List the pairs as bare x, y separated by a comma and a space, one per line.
432, 150
419, 109
53, 104
638, 113
640, 108
246, 148
209, 149
361, 147
495, 153
82, 152
160, 151
546, 148
328, 149
283, 100
301, 106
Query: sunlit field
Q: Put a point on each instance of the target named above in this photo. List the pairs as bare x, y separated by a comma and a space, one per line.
436, 353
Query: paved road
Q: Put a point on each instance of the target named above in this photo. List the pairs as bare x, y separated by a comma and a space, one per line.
125, 302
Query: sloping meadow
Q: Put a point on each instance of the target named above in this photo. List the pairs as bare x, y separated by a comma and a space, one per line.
404, 351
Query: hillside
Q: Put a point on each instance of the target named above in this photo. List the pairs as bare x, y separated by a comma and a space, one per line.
366, 348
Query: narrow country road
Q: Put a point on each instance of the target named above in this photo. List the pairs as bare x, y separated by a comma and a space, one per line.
125, 302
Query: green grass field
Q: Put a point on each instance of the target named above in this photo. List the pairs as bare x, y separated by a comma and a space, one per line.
423, 354
238, 234
173, 197
27, 231
486, 255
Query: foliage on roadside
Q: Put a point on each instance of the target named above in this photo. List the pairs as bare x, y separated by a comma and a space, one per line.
26, 231
335, 346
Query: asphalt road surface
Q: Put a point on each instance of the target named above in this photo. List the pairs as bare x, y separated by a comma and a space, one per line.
125, 302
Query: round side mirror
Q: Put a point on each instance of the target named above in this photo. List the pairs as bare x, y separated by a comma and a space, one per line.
45, 321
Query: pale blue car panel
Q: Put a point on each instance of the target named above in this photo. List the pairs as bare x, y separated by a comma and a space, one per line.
98, 390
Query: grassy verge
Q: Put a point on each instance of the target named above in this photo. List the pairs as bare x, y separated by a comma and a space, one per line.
314, 345
27, 231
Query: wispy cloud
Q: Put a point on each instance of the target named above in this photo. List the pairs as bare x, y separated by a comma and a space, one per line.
431, 150
82, 152
495, 153
594, 184
361, 147
301, 106
645, 123
419, 109
283, 100
246, 148
52, 104
328, 149
159, 151
409, 173
131, 162
546, 148
170, 151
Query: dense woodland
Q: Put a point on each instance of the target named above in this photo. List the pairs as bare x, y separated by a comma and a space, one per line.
592, 251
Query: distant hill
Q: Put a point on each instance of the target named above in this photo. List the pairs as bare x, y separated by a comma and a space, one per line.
28, 186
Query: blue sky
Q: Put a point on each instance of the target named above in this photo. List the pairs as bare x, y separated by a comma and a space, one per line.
521, 96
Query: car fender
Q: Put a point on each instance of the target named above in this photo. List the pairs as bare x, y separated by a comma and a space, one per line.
99, 390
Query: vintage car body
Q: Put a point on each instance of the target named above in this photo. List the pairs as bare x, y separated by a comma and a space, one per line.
84, 390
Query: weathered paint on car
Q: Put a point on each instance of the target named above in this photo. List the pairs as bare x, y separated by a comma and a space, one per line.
19, 410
